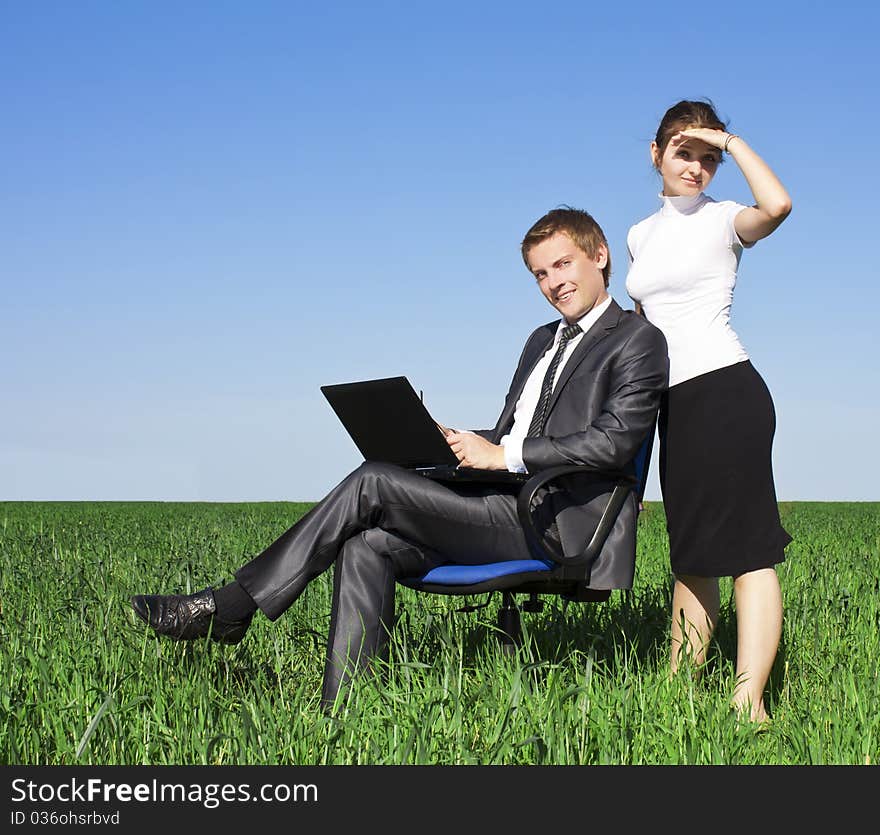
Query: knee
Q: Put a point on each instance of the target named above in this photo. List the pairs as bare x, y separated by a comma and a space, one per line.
375, 469
373, 474
371, 486
370, 468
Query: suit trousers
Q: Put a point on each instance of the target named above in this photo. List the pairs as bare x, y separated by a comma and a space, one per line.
380, 523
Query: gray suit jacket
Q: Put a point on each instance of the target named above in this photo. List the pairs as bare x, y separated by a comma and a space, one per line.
603, 406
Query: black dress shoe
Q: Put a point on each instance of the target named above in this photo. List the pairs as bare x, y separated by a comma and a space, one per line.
186, 617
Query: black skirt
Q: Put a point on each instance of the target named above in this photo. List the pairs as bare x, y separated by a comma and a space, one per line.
716, 474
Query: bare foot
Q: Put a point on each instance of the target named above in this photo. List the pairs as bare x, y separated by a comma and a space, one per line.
755, 715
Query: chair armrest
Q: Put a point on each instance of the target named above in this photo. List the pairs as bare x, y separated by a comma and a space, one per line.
547, 550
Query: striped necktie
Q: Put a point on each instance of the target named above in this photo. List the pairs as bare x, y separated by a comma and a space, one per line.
536, 427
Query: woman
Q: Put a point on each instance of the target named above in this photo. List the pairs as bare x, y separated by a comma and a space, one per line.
717, 420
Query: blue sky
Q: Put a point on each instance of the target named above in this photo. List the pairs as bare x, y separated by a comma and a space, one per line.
211, 209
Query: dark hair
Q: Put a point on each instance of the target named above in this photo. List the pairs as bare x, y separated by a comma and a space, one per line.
578, 225
686, 114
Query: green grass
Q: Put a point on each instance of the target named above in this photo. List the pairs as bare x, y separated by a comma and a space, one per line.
83, 682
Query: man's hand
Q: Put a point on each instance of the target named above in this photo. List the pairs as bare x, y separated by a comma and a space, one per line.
475, 451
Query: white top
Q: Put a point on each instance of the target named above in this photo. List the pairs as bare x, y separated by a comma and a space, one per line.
528, 400
684, 260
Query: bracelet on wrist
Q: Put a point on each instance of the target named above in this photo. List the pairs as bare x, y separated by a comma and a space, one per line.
727, 141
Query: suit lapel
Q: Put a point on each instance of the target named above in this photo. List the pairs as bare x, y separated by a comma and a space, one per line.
607, 322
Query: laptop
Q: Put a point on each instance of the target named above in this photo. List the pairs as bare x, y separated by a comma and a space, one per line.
388, 422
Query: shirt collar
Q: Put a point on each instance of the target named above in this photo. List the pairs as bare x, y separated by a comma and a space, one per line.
586, 321
682, 205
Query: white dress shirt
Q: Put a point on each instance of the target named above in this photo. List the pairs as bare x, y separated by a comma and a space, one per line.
528, 400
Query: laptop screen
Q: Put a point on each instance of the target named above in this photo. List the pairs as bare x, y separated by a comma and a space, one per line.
388, 422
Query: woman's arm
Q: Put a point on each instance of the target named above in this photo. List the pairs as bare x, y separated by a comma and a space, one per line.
772, 202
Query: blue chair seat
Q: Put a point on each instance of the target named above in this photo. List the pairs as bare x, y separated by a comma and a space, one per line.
467, 575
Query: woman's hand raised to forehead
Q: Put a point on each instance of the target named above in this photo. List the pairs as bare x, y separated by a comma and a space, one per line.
715, 138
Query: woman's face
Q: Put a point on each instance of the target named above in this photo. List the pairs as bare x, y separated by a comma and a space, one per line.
687, 166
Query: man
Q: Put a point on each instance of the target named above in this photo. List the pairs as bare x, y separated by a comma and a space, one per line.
586, 391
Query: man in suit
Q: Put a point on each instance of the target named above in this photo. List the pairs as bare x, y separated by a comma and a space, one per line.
586, 391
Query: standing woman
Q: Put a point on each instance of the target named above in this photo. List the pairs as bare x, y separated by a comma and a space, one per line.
717, 419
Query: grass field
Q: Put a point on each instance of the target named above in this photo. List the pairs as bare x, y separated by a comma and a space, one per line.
84, 683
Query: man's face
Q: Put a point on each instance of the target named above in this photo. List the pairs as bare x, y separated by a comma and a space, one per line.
569, 279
